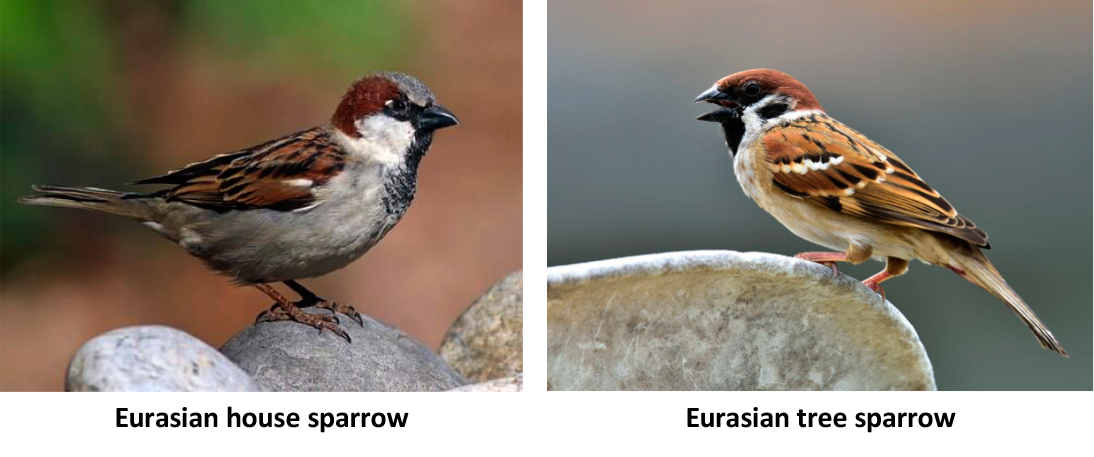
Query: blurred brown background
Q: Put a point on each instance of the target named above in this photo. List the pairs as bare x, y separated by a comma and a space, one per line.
100, 93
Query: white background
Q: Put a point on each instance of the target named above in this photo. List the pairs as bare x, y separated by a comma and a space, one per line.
536, 422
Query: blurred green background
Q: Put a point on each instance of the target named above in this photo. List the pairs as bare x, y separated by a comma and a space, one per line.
101, 93
988, 101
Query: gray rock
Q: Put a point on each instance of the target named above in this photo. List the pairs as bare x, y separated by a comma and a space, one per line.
487, 340
723, 320
153, 358
289, 356
510, 384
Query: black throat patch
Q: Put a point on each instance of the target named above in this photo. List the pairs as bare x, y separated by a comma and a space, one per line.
402, 183
734, 130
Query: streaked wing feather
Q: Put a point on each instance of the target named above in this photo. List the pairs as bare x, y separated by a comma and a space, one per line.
279, 174
821, 160
196, 170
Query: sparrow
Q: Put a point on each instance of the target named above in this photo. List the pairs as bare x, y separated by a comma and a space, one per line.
296, 207
832, 186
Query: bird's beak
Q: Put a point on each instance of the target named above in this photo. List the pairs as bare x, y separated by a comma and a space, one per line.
436, 117
713, 95
730, 109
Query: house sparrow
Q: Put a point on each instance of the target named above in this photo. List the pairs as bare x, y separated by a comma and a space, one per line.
299, 206
833, 186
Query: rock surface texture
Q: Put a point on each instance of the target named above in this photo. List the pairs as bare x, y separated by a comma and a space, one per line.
153, 359
487, 340
486, 343
288, 356
510, 384
723, 320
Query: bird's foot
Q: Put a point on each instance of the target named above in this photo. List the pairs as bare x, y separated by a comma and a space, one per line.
827, 259
295, 314
876, 287
874, 282
307, 298
343, 308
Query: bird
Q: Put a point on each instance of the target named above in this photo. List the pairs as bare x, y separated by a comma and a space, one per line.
833, 186
296, 207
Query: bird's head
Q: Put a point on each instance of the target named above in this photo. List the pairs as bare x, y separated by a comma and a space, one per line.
768, 93
754, 96
390, 106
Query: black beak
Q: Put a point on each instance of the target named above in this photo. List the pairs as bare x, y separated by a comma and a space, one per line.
436, 117
730, 109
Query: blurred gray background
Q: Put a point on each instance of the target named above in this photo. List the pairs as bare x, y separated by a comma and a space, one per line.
989, 102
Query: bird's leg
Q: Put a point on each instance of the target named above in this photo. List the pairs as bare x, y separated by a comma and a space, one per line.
893, 267
855, 254
287, 310
827, 259
310, 299
874, 282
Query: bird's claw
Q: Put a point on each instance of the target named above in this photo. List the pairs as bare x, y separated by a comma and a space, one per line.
342, 308
319, 321
876, 287
334, 328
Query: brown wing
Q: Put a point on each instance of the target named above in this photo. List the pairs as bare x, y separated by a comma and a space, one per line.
280, 174
821, 160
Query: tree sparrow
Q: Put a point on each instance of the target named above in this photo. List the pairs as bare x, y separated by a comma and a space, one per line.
299, 206
833, 186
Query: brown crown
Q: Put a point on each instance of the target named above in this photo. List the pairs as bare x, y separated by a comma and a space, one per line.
366, 96
773, 81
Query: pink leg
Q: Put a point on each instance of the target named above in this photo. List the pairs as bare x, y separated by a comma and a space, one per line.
827, 259
874, 283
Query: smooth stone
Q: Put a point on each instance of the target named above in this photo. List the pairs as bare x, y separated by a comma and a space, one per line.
510, 384
290, 356
487, 340
153, 358
723, 320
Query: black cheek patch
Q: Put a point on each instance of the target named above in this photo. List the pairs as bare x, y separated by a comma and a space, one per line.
773, 110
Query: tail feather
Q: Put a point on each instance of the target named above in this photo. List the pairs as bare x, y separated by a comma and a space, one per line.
978, 270
89, 198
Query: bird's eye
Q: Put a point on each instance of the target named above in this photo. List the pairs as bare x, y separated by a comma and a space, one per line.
752, 89
397, 104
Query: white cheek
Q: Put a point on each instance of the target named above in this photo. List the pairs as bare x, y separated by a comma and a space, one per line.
383, 139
